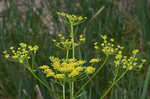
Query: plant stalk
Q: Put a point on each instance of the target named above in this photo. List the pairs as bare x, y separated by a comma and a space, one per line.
64, 91
73, 56
37, 78
67, 55
72, 39
114, 83
72, 84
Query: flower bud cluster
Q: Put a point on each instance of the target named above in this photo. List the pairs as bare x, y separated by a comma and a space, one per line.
130, 63
108, 46
72, 19
21, 53
65, 43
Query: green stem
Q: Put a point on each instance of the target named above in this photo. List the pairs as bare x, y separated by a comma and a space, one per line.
72, 39
37, 78
114, 83
33, 61
67, 55
72, 89
71, 86
84, 85
116, 74
73, 56
64, 91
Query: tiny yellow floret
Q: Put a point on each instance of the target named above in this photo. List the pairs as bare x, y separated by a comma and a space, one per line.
7, 56
112, 40
11, 47
90, 69
95, 60
44, 67
59, 76
135, 51
143, 60
5, 52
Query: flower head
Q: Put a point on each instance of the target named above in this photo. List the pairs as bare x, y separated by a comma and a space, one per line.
129, 63
108, 46
62, 68
72, 19
21, 53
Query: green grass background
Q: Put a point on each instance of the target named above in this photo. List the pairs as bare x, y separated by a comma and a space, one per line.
128, 21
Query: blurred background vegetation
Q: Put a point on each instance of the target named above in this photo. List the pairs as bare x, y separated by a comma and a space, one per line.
36, 22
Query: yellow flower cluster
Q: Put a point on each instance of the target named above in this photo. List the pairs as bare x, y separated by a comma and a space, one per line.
66, 68
108, 46
47, 70
118, 58
82, 38
64, 43
96, 45
90, 70
72, 19
21, 53
95, 60
129, 63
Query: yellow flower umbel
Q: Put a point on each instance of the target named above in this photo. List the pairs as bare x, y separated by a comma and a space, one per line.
72, 19
108, 46
95, 60
82, 39
65, 43
66, 69
129, 63
21, 53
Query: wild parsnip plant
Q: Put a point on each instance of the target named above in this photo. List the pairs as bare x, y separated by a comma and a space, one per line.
66, 71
